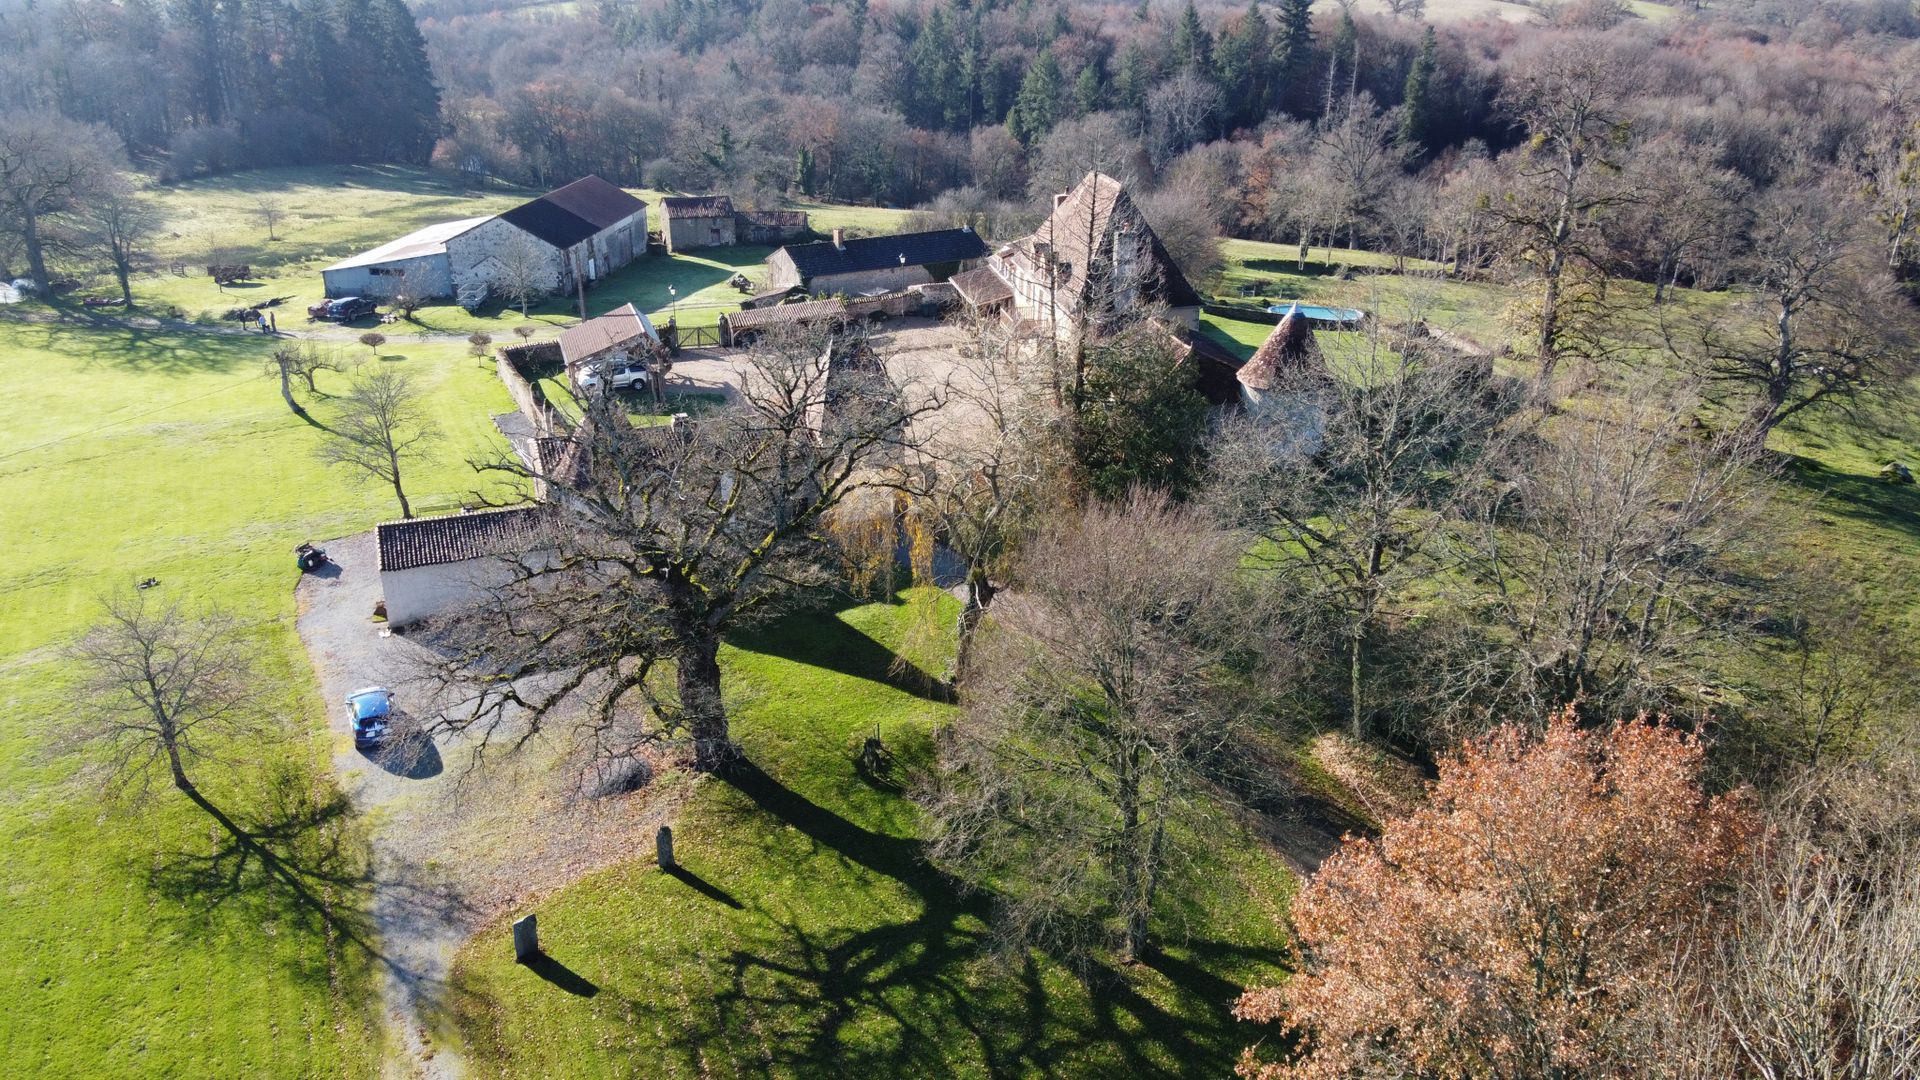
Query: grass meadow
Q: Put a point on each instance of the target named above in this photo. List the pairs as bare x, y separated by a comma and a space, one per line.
135, 943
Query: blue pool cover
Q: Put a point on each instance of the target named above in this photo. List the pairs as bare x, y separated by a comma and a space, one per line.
1318, 313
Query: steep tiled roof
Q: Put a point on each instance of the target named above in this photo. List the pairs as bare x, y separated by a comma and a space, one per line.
696, 206
1289, 352
879, 252
417, 542
1080, 226
565, 216
602, 332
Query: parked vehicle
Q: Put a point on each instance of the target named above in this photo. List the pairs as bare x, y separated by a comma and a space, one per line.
618, 375
309, 558
345, 309
370, 714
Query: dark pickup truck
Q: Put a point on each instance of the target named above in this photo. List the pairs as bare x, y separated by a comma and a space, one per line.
345, 309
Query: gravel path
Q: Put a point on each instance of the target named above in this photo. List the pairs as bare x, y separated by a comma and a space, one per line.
453, 846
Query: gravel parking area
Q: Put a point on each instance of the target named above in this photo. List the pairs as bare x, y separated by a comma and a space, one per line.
468, 843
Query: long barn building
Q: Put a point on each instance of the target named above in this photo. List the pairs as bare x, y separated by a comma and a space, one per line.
588, 228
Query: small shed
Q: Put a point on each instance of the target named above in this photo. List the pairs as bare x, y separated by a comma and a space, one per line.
697, 221
622, 332
770, 227
432, 566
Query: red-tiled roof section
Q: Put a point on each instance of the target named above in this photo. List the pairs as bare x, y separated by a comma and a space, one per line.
1285, 355
406, 545
980, 286
786, 314
696, 206
618, 327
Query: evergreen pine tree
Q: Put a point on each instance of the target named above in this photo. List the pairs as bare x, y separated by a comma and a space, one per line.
1293, 53
1192, 45
1241, 60
1416, 108
1037, 107
1132, 77
1086, 91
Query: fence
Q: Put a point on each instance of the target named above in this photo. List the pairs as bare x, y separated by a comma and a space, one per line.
694, 337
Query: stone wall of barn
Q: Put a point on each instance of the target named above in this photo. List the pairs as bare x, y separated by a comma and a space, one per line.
474, 256
684, 234
426, 591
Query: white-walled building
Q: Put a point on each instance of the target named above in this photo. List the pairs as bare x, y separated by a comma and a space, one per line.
430, 566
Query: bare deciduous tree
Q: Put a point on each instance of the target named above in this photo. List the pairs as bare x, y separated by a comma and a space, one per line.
1356, 484
115, 225
381, 428
1098, 694
1687, 215
669, 539
162, 689
1358, 151
302, 361
48, 166
1571, 92
1824, 322
976, 479
1605, 564
269, 211
522, 270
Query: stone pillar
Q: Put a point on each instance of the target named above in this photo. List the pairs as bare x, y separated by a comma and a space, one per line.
526, 939
663, 846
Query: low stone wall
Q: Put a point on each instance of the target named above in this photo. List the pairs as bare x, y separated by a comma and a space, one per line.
520, 367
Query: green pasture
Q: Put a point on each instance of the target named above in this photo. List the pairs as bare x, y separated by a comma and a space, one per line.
136, 943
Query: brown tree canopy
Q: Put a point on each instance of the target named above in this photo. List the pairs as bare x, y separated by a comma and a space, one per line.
1509, 928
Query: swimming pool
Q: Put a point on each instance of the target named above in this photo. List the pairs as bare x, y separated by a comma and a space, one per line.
1317, 313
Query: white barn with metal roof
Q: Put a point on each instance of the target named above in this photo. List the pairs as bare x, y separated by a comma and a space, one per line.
416, 263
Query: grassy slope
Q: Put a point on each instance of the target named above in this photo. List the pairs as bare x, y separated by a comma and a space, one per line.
811, 940
134, 455
335, 211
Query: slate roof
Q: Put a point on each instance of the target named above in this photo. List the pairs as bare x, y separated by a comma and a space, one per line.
602, 332
866, 253
981, 286
419, 243
565, 216
405, 545
696, 206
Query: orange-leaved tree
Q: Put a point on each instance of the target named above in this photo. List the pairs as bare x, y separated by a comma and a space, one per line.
1513, 926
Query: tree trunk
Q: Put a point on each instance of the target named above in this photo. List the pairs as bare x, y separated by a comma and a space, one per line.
406, 510
698, 678
179, 771
1356, 656
36, 253
973, 610
126, 285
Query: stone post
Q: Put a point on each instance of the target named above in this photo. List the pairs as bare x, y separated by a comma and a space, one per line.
663, 845
526, 939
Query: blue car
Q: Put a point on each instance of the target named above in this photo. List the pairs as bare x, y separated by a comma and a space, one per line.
369, 714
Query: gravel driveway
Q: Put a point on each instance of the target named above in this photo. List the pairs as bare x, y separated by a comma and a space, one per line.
453, 846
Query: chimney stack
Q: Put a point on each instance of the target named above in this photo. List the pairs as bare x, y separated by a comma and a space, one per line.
839, 239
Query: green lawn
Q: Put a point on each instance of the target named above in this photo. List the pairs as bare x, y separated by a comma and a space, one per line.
1258, 274
128, 950
808, 938
331, 212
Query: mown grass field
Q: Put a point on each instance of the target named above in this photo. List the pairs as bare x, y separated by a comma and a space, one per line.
329, 213
807, 937
128, 952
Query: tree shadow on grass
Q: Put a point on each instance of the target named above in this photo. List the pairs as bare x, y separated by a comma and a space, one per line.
816, 638
1865, 499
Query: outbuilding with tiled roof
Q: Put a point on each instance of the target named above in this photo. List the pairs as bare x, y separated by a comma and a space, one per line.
435, 565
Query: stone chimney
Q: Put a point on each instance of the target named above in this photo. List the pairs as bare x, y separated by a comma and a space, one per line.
839, 239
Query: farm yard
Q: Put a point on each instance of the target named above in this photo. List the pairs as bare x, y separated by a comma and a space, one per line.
807, 929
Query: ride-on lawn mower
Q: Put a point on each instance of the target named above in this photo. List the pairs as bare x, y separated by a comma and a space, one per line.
309, 558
